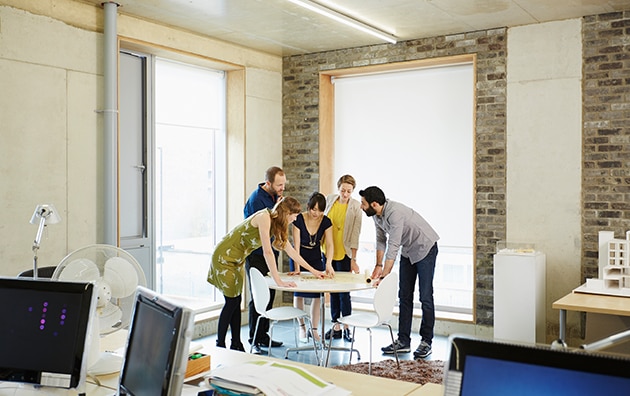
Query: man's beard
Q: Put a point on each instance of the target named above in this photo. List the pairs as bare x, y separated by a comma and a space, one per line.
370, 211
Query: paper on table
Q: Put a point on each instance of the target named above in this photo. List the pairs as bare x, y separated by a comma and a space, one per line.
273, 378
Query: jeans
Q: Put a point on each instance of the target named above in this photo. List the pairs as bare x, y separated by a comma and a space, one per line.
258, 261
423, 270
340, 303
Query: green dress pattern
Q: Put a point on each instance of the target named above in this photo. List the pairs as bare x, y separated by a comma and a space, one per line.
226, 268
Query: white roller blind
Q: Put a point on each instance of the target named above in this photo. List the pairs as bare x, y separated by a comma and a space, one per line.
411, 133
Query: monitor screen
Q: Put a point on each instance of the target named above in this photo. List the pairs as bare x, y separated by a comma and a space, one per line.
157, 346
44, 331
484, 367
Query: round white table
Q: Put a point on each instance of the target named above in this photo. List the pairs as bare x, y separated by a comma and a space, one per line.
309, 283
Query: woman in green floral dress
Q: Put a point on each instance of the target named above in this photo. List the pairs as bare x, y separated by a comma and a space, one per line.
226, 269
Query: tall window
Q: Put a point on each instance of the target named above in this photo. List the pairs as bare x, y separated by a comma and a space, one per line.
189, 176
411, 133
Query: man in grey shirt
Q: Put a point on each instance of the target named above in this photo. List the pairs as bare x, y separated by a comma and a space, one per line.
400, 228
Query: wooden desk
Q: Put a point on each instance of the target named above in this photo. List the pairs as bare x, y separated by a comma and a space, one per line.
428, 390
593, 303
358, 384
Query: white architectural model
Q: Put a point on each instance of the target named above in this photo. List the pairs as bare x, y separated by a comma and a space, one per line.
614, 266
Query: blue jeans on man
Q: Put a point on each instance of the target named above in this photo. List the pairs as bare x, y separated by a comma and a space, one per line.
424, 271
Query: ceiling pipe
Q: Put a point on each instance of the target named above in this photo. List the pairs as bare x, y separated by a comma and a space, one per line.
110, 123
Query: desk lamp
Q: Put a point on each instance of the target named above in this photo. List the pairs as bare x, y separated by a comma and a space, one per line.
44, 214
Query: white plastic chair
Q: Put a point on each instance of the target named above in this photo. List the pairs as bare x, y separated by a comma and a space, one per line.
384, 300
261, 295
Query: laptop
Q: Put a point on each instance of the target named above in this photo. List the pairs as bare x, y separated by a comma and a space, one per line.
478, 367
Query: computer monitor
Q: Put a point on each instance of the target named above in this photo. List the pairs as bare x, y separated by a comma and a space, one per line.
157, 346
44, 331
484, 367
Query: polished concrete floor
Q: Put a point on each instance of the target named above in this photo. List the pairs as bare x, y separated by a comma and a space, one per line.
284, 331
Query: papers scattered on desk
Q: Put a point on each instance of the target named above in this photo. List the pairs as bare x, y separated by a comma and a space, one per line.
271, 378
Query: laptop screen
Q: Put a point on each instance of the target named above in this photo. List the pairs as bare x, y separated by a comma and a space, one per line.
482, 367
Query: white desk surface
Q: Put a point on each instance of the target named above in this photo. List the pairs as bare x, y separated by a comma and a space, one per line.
358, 384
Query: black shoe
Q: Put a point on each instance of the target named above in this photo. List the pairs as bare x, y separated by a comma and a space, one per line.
346, 335
220, 344
264, 342
256, 350
237, 347
397, 346
336, 334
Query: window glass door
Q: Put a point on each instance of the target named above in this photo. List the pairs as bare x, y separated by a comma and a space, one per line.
189, 175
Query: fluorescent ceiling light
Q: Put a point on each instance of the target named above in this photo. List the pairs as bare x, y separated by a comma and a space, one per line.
346, 20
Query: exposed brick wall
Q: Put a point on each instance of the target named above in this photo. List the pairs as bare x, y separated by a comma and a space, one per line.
606, 132
300, 128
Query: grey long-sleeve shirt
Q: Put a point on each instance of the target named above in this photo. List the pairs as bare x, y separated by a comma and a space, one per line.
402, 228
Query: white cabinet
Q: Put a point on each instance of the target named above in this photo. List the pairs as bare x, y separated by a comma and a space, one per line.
519, 296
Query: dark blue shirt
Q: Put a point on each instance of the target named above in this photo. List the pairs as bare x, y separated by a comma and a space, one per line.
260, 199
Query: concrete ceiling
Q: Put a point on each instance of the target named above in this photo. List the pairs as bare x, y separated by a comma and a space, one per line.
280, 27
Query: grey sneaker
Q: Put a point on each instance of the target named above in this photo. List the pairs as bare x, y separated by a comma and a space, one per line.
398, 346
422, 351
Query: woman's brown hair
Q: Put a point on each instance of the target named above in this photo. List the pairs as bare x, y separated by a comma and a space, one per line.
347, 179
279, 224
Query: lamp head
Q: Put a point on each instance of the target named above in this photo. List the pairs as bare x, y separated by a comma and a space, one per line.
46, 211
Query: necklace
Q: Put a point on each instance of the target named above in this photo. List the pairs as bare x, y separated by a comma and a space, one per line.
311, 240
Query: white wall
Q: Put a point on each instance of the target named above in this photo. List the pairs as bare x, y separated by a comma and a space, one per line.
51, 82
544, 148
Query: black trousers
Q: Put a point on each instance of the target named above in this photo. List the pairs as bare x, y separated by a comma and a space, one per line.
258, 261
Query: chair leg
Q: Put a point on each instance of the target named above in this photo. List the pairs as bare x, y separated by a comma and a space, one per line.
354, 329
271, 324
328, 353
251, 347
370, 363
391, 334
310, 326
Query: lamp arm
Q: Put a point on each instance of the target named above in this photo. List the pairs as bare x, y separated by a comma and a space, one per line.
40, 231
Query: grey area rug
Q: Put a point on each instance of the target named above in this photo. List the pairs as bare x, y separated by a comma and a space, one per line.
418, 371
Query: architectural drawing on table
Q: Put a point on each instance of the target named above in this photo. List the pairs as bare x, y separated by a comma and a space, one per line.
614, 263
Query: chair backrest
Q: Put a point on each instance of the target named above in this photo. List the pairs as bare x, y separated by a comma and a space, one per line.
260, 290
42, 272
385, 297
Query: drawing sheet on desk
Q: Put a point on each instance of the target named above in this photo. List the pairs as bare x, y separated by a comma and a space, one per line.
273, 378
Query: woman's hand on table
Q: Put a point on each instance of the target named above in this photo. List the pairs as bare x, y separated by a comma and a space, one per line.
287, 284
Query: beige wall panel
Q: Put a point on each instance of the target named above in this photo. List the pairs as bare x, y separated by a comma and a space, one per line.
263, 125
235, 147
545, 51
32, 161
41, 40
544, 148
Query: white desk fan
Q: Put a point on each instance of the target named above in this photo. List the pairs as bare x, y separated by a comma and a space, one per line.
116, 274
